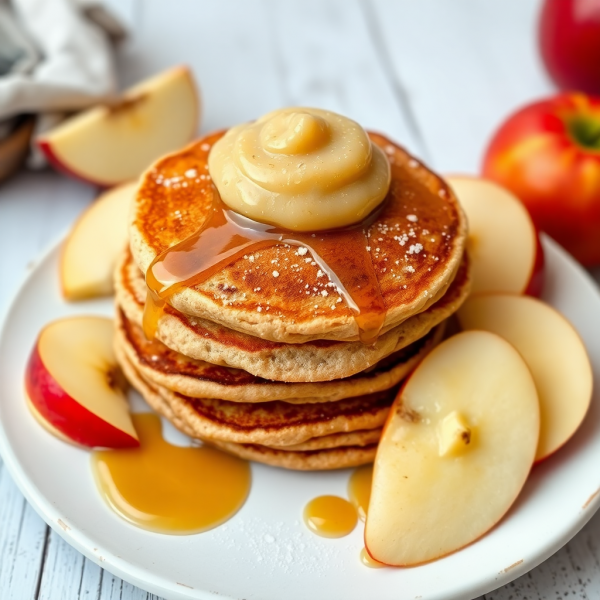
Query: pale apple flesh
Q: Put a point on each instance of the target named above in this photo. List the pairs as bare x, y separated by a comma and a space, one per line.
92, 249
503, 244
108, 145
72, 380
553, 352
427, 502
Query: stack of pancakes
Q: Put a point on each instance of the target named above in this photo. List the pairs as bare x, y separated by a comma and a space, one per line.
263, 359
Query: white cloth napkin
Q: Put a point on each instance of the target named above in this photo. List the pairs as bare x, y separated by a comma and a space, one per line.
56, 56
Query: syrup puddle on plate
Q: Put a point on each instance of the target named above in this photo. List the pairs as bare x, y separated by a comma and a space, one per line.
227, 235
170, 489
359, 489
330, 516
366, 560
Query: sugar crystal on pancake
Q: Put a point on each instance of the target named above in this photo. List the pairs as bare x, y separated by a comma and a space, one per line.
281, 317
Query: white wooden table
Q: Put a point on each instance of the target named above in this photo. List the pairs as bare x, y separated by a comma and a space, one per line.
436, 75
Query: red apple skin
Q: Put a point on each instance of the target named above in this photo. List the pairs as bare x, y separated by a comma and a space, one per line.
536, 283
540, 155
569, 38
66, 414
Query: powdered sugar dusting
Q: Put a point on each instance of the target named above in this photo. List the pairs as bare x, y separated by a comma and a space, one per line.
288, 547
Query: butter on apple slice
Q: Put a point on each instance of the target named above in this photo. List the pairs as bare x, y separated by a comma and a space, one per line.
455, 451
454, 434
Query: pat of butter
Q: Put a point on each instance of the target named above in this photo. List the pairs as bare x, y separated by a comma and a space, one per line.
454, 434
302, 169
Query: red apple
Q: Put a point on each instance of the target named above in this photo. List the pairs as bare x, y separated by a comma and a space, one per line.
548, 155
72, 381
569, 38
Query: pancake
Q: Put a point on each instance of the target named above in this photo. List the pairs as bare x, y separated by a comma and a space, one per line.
415, 243
319, 360
271, 423
365, 437
317, 454
199, 379
313, 460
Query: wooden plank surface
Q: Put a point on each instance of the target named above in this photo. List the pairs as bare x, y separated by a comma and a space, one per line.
438, 76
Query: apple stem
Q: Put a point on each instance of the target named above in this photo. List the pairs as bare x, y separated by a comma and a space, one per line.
586, 132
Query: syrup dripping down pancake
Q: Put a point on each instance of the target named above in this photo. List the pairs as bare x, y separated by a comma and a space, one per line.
199, 379
341, 457
279, 294
362, 437
318, 360
321, 455
270, 423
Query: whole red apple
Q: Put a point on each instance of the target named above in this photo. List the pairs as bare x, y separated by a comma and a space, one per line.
569, 36
548, 155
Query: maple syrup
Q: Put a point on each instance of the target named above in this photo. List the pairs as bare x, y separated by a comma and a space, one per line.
227, 236
359, 489
170, 489
365, 559
330, 516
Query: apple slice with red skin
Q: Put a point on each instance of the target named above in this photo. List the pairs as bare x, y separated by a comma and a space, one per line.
97, 239
73, 382
455, 451
108, 145
553, 352
503, 244
47, 426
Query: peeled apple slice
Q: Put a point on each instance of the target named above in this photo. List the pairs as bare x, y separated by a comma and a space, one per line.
95, 243
455, 452
505, 251
552, 350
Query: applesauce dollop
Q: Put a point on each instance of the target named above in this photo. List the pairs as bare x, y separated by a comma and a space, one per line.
302, 169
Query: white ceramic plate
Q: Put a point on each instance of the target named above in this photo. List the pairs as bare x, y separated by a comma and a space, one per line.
265, 552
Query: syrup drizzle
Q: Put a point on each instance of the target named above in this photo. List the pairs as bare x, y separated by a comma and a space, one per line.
359, 489
341, 254
170, 489
368, 561
330, 516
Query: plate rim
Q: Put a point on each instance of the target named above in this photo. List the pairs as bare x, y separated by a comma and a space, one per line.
146, 580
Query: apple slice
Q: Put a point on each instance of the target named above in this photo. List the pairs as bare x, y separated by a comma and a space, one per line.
553, 352
455, 451
503, 244
94, 244
47, 426
72, 380
107, 145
